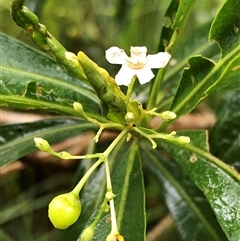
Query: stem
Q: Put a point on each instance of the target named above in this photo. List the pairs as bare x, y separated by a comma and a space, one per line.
154, 92
115, 142
99, 214
79, 186
102, 157
129, 90
114, 228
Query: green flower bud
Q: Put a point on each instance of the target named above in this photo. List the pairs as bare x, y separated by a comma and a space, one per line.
42, 144
64, 210
129, 117
87, 234
183, 140
168, 115
78, 107
109, 196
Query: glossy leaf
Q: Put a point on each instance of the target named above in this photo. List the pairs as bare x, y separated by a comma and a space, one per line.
187, 204
226, 26
128, 186
32, 80
203, 75
17, 139
176, 17
218, 181
224, 137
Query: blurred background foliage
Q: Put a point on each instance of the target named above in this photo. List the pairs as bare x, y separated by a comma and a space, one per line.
91, 26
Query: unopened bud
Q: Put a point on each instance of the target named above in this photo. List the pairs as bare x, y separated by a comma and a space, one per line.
183, 140
87, 234
42, 144
129, 117
168, 115
78, 107
109, 196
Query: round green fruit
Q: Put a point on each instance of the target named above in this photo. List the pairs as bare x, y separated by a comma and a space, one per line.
64, 210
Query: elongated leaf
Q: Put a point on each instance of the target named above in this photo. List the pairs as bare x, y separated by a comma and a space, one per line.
185, 201
177, 15
17, 140
203, 75
127, 181
194, 42
218, 181
32, 80
224, 137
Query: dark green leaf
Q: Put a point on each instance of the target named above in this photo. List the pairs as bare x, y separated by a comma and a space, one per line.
218, 181
32, 80
203, 75
226, 27
176, 17
17, 140
224, 137
190, 209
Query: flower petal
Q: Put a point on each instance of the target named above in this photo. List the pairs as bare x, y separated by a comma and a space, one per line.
158, 60
125, 75
115, 55
144, 75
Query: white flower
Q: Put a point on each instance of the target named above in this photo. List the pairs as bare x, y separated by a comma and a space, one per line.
138, 64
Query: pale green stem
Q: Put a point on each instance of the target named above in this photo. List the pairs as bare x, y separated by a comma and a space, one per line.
114, 228
79, 186
102, 157
99, 214
155, 90
129, 90
115, 142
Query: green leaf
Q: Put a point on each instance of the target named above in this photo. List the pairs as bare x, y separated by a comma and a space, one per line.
224, 137
17, 140
128, 186
188, 206
218, 181
32, 80
203, 76
176, 15
226, 27
176, 18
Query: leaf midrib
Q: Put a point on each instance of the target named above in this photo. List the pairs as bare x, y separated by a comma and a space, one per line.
208, 76
50, 131
54, 81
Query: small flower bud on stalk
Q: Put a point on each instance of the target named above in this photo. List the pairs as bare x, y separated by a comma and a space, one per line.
183, 140
129, 117
109, 196
42, 144
78, 107
168, 115
87, 234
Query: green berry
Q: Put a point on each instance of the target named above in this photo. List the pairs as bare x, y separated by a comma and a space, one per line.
64, 210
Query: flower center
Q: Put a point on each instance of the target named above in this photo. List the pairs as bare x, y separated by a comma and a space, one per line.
137, 65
